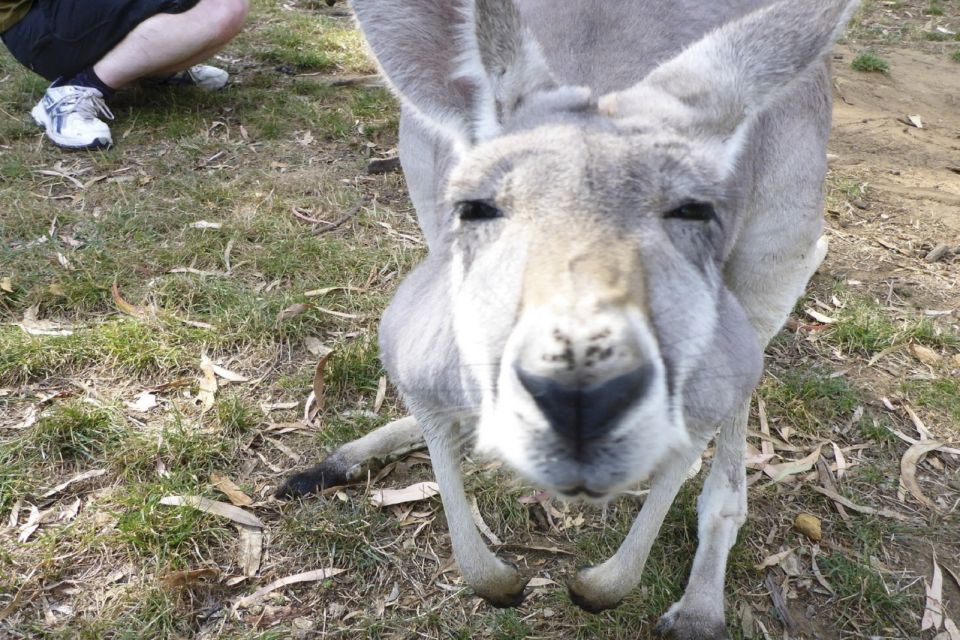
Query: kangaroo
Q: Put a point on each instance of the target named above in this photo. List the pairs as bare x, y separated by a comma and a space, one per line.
622, 202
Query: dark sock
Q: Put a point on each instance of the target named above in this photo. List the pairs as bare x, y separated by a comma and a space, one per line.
88, 78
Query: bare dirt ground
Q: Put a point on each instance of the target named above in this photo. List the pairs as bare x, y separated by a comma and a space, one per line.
298, 252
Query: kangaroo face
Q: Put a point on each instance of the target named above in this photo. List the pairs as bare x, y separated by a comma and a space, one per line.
589, 296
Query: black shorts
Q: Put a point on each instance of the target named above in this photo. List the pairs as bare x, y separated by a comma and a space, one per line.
60, 38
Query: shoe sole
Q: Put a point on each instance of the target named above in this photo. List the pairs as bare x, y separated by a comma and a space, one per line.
99, 143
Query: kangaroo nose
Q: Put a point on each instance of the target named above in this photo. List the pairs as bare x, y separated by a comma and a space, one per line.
586, 413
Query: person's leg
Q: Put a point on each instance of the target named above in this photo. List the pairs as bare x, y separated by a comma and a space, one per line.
169, 42
90, 50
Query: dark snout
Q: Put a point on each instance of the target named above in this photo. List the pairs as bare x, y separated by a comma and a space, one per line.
582, 413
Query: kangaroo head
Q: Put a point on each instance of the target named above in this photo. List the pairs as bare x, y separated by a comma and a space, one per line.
588, 234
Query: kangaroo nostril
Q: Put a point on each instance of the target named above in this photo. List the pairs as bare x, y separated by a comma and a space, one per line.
586, 413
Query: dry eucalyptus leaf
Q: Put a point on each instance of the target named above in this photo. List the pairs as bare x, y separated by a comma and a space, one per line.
226, 374
207, 391
381, 394
130, 309
908, 469
314, 293
6, 284
309, 576
145, 402
251, 549
809, 525
227, 487
933, 608
413, 493
188, 577
318, 387
292, 311
774, 560
86, 475
926, 355
778, 472
481, 525
203, 224
213, 507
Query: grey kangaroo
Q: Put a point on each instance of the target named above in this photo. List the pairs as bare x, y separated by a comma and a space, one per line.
622, 201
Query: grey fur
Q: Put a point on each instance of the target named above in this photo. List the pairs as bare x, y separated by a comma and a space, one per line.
647, 106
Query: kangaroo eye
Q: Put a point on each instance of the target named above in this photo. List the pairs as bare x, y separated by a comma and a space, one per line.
695, 211
476, 210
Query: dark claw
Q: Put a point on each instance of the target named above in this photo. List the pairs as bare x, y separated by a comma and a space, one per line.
315, 479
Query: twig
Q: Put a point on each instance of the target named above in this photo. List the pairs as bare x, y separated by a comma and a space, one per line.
333, 225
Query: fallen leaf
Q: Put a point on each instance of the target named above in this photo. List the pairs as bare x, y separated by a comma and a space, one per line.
6, 284
86, 475
319, 401
337, 314
214, 507
540, 582
203, 224
809, 525
481, 525
309, 576
839, 459
130, 309
778, 472
251, 549
188, 577
207, 391
926, 355
316, 347
227, 487
381, 394
908, 469
413, 493
819, 317
31, 325
774, 560
933, 608
144, 402
313, 293
836, 497
226, 374
292, 311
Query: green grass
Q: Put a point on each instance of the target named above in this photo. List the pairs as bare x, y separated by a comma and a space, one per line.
863, 326
865, 594
811, 401
870, 63
942, 395
937, 36
955, 56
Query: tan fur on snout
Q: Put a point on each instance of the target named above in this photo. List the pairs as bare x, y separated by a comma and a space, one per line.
567, 272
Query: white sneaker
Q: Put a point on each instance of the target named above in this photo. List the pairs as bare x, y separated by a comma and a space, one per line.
69, 113
200, 75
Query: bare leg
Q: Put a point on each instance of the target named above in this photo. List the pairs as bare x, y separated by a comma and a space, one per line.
722, 508
172, 41
492, 579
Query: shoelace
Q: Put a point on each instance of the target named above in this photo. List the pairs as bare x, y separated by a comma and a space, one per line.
84, 103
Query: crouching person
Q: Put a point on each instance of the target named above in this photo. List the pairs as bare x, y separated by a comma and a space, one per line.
89, 50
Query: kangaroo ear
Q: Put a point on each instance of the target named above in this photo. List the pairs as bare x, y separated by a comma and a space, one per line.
463, 65
713, 89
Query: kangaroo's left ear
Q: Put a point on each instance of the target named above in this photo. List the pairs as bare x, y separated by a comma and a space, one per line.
715, 87
463, 65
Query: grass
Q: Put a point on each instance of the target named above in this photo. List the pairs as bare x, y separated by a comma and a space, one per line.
279, 140
955, 56
863, 326
870, 63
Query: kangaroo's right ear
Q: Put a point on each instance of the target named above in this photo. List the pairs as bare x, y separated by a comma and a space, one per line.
463, 65
712, 90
